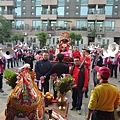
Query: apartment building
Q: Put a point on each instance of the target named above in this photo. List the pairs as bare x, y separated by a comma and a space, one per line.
98, 21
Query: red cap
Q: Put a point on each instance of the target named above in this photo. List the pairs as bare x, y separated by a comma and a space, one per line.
104, 71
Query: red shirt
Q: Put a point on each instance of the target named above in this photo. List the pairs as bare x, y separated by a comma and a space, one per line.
76, 73
88, 60
76, 53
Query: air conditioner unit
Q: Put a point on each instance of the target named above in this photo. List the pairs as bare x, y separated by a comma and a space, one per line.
99, 36
25, 33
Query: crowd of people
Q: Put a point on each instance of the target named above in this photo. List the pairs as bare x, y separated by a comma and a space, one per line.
102, 68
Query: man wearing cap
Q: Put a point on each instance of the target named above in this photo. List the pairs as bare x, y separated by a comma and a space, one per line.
104, 97
97, 61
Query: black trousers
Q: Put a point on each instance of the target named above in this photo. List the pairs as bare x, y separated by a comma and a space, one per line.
77, 96
113, 69
10, 61
55, 92
1, 81
45, 87
101, 115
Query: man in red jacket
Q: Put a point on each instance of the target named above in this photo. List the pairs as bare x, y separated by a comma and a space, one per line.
80, 74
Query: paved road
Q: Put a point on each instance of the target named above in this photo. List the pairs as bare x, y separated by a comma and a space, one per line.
72, 115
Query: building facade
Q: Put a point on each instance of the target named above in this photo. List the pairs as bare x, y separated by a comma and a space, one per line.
98, 21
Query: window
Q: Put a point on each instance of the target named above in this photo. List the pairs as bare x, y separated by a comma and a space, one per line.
53, 23
60, 11
32, 1
36, 24
107, 42
62, 23
23, 13
38, 2
115, 13
116, 0
32, 7
81, 24
18, 11
77, 7
54, 10
38, 11
77, 0
116, 6
18, 3
91, 10
57, 39
67, 0
53, 40
32, 13
84, 10
110, 25
44, 25
67, 13
103, 41
24, 1
67, 7
23, 7
13, 24
76, 13
20, 24
61, 3
109, 2
108, 10
101, 10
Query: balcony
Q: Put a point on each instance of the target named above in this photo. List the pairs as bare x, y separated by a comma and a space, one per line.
98, 2
51, 15
8, 15
7, 3
96, 15
48, 2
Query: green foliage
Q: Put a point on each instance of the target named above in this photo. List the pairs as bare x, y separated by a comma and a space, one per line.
64, 85
75, 37
72, 35
78, 37
17, 37
42, 37
11, 78
93, 32
5, 28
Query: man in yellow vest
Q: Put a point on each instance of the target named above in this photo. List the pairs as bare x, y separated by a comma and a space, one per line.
104, 97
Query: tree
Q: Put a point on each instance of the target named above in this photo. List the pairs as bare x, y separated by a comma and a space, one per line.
78, 38
75, 37
42, 37
5, 28
72, 36
17, 37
